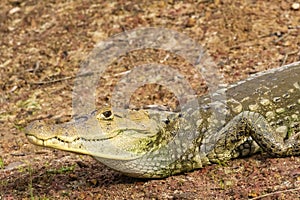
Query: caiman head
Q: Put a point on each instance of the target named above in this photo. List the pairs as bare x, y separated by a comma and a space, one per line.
103, 134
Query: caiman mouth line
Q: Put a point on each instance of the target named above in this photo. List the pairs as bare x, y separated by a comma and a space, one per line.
64, 141
71, 146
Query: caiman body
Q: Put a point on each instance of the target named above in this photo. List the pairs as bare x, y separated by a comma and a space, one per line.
260, 113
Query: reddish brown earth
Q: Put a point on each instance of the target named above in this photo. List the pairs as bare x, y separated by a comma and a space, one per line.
42, 44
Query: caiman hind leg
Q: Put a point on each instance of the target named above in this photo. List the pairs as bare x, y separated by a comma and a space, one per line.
245, 135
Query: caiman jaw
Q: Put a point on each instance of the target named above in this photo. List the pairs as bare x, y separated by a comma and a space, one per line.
75, 147
57, 143
56, 137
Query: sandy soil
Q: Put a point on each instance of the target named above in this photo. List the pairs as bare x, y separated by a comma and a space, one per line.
42, 45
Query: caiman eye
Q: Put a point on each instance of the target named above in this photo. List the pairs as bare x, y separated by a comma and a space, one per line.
107, 115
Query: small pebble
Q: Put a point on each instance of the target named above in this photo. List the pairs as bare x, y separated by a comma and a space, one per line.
14, 10
295, 6
14, 165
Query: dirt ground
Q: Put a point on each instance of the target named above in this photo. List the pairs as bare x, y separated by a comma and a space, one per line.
42, 45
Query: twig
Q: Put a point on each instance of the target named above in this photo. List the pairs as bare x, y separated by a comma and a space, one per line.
287, 55
53, 81
282, 37
79, 75
277, 192
63, 79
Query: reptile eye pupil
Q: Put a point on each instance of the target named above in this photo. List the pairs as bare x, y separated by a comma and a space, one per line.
107, 114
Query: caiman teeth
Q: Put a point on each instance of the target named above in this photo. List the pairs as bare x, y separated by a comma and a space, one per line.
57, 142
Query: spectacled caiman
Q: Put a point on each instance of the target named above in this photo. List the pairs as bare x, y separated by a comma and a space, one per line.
262, 113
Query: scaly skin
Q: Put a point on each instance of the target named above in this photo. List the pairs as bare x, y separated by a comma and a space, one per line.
261, 113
